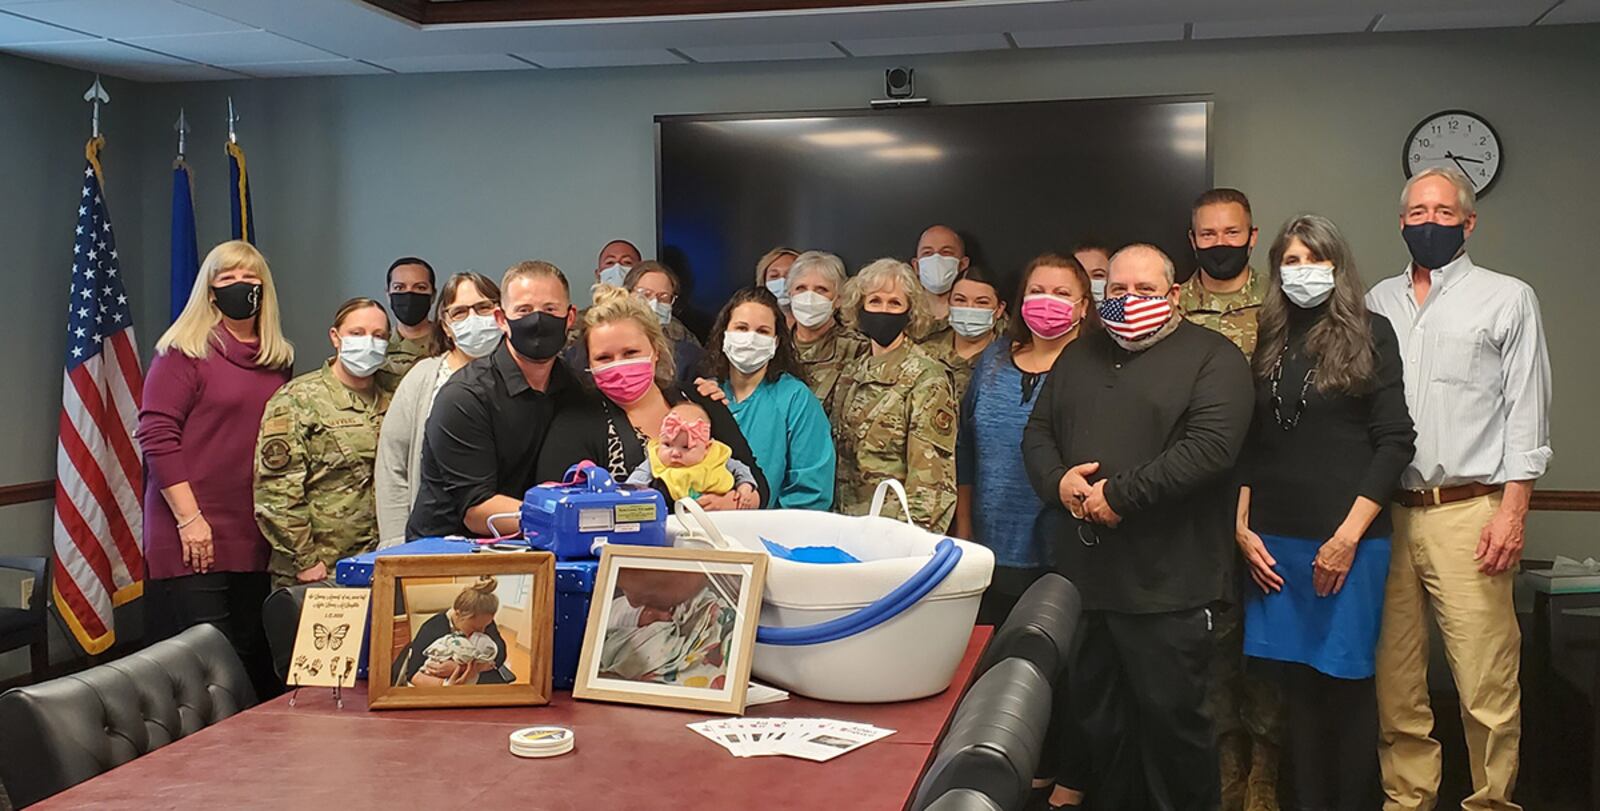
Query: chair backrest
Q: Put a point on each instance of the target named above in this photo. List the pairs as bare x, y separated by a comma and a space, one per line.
280, 619
995, 738
964, 799
64, 731
39, 569
1041, 628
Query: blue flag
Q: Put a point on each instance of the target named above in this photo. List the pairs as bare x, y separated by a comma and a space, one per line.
244, 221
185, 245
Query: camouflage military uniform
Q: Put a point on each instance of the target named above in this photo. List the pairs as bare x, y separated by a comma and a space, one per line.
822, 360
894, 417
313, 480
1240, 703
941, 346
1232, 314
404, 354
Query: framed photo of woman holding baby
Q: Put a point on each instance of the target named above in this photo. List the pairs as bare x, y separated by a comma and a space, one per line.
672, 627
472, 630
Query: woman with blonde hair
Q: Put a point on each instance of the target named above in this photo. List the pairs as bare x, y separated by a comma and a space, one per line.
894, 409
772, 272
630, 362
214, 370
466, 645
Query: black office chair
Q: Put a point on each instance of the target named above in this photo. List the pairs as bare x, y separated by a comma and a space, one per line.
964, 799
29, 625
280, 618
62, 732
1041, 628
995, 738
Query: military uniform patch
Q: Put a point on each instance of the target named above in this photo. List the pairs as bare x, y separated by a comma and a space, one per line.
943, 420
275, 455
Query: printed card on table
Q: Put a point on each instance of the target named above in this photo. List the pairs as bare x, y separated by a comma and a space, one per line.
333, 624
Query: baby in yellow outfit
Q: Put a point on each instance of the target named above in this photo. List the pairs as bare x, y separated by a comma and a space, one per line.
685, 459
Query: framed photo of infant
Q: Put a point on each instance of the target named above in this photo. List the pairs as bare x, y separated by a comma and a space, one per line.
471, 630
672, 627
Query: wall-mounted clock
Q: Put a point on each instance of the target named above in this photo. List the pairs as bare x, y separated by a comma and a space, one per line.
1458, 139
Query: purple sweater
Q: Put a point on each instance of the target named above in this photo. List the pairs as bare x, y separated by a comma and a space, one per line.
198, 425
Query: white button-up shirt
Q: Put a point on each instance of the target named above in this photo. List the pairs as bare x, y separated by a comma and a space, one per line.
1477, 375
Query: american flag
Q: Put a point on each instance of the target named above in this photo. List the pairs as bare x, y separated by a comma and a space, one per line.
1133, 317
99, 479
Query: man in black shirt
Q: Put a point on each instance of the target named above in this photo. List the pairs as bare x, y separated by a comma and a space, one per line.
489, 422
1131, 446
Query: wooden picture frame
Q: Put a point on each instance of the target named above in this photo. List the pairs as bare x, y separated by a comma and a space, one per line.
664, 580
529, 609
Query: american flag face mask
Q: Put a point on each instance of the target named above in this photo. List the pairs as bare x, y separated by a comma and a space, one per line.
1133, 317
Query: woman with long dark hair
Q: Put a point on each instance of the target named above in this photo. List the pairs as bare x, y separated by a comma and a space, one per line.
751, 358
1330, 438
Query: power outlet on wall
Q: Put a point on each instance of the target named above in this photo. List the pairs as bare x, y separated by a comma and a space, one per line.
27, 592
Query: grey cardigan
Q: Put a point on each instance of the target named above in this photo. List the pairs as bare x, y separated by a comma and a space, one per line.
398, 471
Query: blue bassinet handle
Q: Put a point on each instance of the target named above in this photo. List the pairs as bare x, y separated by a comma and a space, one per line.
945, 557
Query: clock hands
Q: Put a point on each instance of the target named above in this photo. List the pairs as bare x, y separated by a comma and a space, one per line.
1455, 157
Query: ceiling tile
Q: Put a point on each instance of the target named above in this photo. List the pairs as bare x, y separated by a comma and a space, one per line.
602, 58
1512, 15
185, 72
764, 53
233, 48
315, 67
1103, 35
1574, 11
123, 19
952, 43
448, 63
17, 30
1281, 26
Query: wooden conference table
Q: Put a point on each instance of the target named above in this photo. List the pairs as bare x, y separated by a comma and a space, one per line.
316, 756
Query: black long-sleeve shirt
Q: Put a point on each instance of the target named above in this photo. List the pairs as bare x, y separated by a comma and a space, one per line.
1304, 480
1166, 425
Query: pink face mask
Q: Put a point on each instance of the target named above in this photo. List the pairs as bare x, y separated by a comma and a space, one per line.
1048, 316
625, 381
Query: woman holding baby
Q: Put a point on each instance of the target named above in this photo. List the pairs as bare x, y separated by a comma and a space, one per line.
460, 645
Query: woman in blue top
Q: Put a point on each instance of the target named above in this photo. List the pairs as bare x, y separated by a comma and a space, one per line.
750, 361
995, 506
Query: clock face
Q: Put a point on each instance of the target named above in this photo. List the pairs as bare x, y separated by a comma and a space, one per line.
1458, 139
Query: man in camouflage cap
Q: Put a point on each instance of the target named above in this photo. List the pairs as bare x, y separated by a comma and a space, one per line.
1224, 295
314, 459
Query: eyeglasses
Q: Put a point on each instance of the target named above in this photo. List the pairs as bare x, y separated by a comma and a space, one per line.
460, 311
648, 296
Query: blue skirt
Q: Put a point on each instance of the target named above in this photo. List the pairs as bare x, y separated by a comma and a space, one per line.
1337, 634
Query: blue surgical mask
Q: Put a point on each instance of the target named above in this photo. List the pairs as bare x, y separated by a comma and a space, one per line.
476, 335
971, 322
662, 310
362, 355
780, 287
613, 274
938, 272
1097, 289
1306, 285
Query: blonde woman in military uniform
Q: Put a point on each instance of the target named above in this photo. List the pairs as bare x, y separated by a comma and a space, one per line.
821, 344
894, 411
316, 451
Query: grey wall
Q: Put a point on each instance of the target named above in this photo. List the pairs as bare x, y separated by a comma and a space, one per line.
480, 170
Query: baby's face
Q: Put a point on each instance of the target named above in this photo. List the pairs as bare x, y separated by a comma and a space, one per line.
682, 451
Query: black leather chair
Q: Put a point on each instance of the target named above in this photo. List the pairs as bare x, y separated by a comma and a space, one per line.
964, 799
995, 738
1041, 628
29, 625
280, 618
62, 732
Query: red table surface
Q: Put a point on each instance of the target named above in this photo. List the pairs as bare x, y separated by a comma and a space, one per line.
316, 756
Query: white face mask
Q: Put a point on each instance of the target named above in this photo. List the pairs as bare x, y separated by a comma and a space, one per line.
1307, 285
361, 355
613, 274
938, 272
662, 311
971, 322
811, 309
780, 288
476, 335
1097, 289
748, 351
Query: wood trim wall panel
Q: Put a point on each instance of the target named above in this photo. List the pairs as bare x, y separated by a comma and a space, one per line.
26, 492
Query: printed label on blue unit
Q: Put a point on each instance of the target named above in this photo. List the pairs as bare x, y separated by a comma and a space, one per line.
636, 513
595, 520
627, 527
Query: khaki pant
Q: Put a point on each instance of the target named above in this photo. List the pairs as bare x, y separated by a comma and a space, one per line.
1432, 568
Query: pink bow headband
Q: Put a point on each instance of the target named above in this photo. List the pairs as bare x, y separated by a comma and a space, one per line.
699, 431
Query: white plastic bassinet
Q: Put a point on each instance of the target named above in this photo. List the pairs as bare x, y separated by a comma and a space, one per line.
912, 654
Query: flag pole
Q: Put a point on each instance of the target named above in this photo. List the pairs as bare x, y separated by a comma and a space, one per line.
233, 118
96, 95
182, 128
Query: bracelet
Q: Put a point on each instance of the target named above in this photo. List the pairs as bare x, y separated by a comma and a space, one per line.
190, 520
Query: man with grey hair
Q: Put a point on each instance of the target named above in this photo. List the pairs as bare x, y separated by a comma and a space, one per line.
1133, 469
1477, 381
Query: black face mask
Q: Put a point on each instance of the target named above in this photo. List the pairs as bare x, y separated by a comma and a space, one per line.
239, 300
1433, 245
410, 308
538, 335
883, 328
1223, 262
